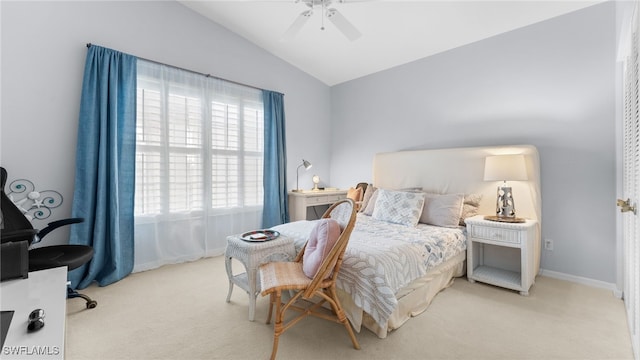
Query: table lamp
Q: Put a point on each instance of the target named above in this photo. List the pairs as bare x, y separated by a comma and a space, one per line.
307, 165
503, 168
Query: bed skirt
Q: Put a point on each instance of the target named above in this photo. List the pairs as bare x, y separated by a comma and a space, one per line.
413, 299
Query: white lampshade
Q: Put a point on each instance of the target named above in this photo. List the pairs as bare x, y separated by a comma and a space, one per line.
505, 167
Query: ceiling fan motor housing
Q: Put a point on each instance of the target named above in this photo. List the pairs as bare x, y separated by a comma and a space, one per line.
340, 22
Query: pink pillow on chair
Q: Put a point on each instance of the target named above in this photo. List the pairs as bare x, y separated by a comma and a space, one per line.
323, 236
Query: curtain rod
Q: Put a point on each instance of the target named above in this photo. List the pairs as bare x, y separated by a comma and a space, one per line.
198, 73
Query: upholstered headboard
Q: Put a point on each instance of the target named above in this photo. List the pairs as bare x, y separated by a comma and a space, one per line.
460, 170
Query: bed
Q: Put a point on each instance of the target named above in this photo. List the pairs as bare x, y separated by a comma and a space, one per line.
392, 271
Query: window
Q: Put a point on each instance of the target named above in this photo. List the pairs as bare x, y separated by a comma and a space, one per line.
199, 143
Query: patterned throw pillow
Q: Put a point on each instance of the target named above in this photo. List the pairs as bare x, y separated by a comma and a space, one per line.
399, 207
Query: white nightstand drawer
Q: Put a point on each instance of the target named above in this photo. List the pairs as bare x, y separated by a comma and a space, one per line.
334, 198
495, 234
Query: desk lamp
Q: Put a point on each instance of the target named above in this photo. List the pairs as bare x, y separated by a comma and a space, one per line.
503, 168
307, 165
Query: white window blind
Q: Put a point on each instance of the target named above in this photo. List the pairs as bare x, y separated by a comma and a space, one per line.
199, 159
178, 156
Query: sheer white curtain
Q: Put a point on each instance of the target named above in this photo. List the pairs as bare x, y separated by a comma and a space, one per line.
199, 154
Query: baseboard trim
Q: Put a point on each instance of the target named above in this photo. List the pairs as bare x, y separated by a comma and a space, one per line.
584, 281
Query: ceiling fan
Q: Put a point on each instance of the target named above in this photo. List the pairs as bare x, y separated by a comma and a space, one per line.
340, 22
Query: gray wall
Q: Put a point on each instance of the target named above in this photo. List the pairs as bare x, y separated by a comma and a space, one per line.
43, 53
551, 84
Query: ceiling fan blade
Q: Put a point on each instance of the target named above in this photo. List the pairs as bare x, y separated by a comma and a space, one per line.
298, 23
343, 24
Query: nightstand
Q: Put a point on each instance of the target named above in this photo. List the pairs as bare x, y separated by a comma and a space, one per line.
503, 254
252, 255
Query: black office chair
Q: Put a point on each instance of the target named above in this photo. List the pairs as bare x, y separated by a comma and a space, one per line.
16, 227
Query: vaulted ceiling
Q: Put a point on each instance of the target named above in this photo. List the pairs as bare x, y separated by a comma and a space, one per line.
393, 32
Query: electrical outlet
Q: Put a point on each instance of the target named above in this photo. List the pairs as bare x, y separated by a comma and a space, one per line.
548, 244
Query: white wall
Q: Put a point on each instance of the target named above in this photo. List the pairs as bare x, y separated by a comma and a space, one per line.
551, 85
42, 62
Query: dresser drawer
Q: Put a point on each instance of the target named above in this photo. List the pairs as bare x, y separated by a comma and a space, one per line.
495, 234
324, 199
317, 200
301, 201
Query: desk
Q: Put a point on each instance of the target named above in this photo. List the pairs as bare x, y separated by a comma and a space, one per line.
300, 201
46, 290
252, 255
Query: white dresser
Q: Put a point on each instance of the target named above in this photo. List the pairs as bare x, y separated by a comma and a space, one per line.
300, 201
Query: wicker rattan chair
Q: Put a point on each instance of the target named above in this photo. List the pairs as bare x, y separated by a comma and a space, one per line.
279, 277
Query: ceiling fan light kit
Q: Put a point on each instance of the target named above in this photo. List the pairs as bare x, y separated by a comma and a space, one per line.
338, 20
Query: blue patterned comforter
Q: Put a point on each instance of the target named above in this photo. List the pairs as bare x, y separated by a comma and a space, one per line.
382, 258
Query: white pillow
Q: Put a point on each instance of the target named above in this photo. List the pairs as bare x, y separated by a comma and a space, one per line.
371, 202
442, 210
368, 194
470, 207
399, 207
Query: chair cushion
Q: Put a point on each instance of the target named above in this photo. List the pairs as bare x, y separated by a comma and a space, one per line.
71, 256
282, 275
323, 236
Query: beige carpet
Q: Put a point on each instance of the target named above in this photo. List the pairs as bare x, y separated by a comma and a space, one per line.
179, 312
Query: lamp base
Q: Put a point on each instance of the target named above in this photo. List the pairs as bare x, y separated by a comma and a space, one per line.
296, 190
505, 207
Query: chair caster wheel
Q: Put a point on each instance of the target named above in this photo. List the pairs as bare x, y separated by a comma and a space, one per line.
92, 304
